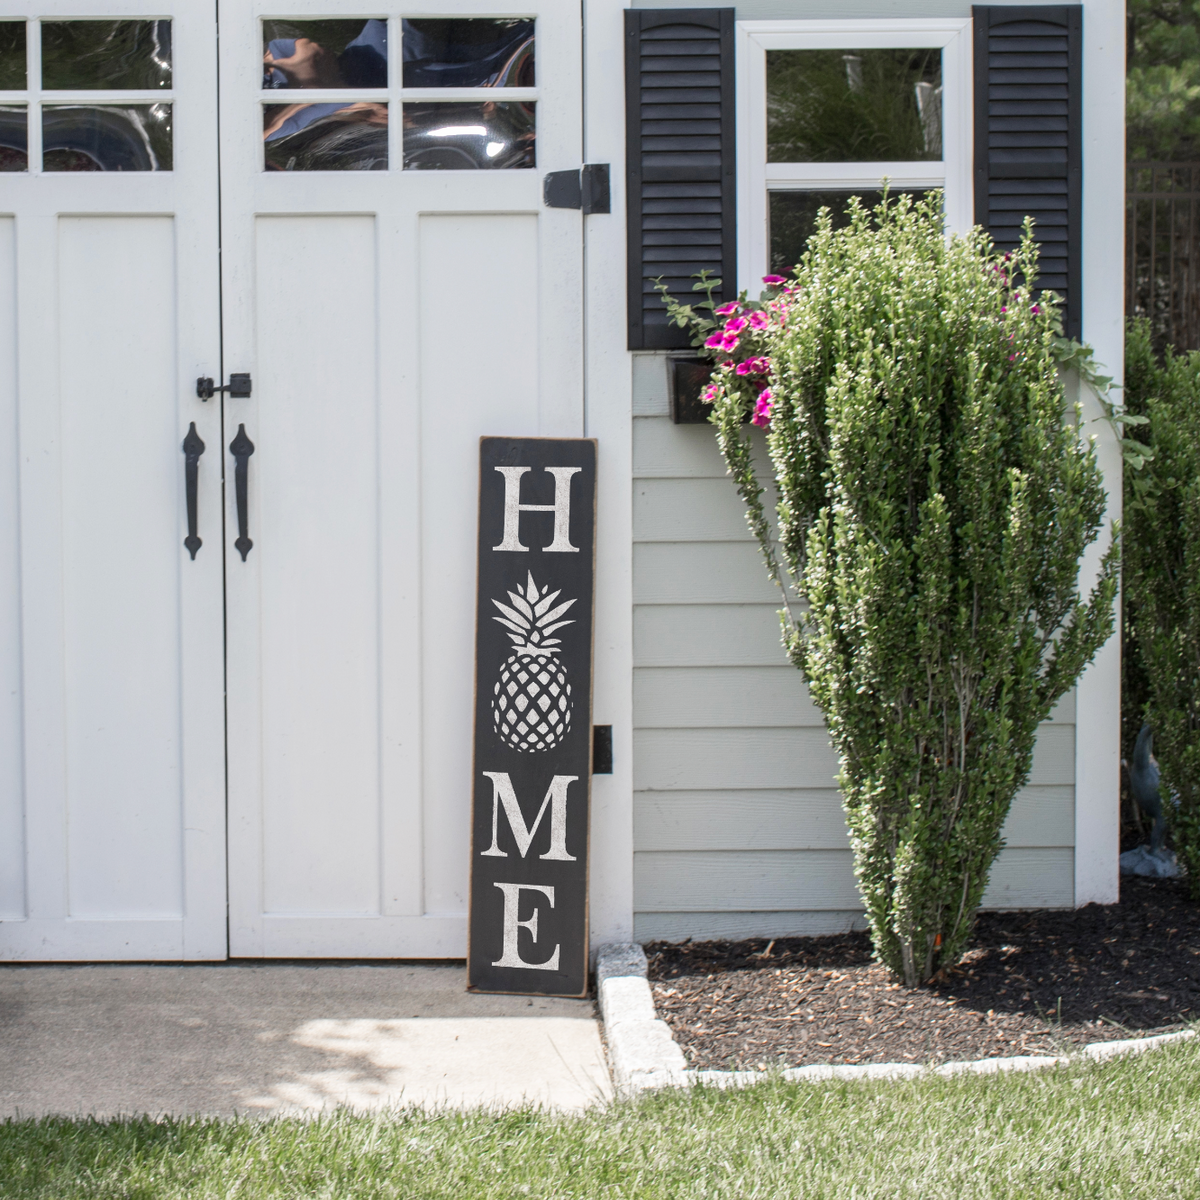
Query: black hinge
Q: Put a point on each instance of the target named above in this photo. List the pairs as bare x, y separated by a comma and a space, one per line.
587, 189
602, 752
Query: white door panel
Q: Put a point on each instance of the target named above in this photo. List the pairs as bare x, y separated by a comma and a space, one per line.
389, 319
117, 801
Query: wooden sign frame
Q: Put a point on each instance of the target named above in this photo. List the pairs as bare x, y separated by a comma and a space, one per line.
532, 778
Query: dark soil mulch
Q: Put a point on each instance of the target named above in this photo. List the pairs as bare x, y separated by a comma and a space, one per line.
1034, 982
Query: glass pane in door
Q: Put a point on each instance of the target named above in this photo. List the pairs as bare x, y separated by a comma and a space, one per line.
12, 56
326, 137
14, 138
107, 137
90, 55
468, 52
325, 54
464, 136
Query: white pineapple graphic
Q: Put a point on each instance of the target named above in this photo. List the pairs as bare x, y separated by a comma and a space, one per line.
531, 702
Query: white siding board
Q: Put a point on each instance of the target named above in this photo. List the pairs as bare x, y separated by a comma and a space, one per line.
703, 759
707, 635
728, 697
1041, 816
702, 573
749, 880
768, 819
688, 510
707, 759
1031, 878
1054, 757
1063, 713
665, 451
821, 880
812, 819
650, 386
706, 926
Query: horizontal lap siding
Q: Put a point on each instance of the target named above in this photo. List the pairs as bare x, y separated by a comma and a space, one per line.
738, 828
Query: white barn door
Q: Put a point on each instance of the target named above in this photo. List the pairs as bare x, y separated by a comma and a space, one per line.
112, 804
395, 288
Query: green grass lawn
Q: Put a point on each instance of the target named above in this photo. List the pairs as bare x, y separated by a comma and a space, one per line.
1129, 1128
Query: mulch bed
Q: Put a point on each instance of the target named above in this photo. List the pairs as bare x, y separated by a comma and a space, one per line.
1035, 982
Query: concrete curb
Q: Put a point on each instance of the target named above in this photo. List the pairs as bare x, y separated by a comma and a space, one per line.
643, 1054
641, 1051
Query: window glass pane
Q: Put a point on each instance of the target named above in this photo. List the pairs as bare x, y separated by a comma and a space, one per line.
854, 105
106, 137
458, 137
106, 54
325, 54
467, 52
12, 56
794, 219
326, 137
14, 138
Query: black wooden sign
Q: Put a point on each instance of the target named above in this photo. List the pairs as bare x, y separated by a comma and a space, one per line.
533, 716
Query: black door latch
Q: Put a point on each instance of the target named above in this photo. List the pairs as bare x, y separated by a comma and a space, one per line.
587, 189
238, 386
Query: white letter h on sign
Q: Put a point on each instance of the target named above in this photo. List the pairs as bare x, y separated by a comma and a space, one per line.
561, 508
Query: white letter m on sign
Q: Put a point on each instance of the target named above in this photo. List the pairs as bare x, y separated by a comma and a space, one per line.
556, 800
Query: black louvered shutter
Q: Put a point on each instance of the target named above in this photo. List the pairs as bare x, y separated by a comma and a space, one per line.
681, 173
1029, 135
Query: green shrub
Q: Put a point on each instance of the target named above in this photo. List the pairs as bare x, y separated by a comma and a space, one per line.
934, 500
1162, 574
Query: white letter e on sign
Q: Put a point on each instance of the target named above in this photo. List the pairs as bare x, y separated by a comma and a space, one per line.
510, 957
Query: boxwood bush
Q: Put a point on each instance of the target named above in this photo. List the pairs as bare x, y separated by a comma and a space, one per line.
935, 494
1162, 576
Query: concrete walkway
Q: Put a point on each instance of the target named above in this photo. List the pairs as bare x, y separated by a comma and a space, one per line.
284, 1038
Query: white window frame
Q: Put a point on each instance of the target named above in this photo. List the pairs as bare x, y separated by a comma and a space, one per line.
756, 177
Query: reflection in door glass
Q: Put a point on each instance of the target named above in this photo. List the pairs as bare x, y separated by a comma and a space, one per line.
458, 137
854, 105
326, 137
106, 137
12, 56
325, 54
794, 219
467, 52
14, 138
106, 54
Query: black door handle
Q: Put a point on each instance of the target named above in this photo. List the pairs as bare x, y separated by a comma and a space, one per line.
193, 447
241, 448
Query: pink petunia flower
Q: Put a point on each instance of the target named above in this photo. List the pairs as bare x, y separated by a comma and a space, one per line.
773, 280
714, 341
754, 366
726, 309
709, 394
759, 320
735, 325
762, 409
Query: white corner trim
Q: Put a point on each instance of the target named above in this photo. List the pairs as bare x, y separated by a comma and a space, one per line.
643, 1054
